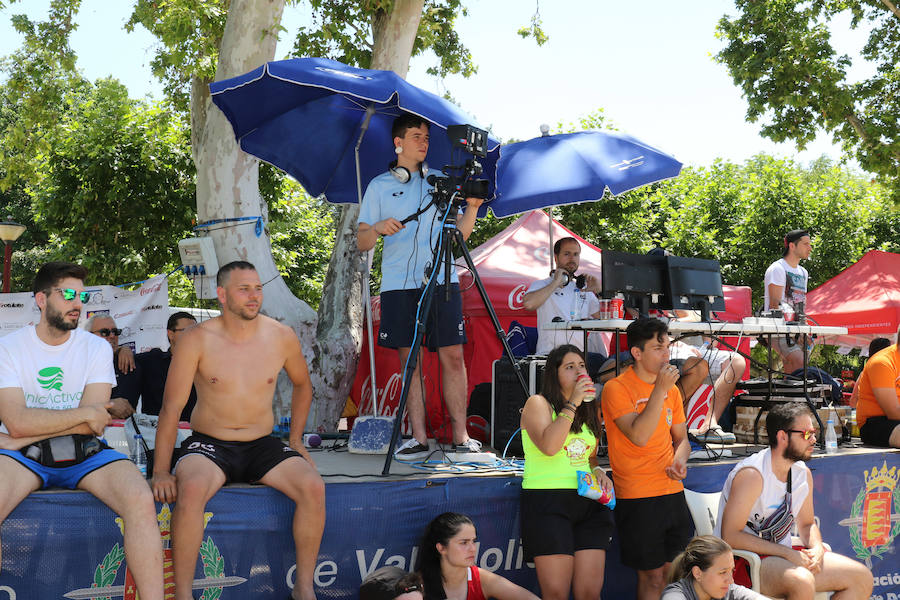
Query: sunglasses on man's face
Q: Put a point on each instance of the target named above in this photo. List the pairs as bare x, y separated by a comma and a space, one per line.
69, 294
108, 332
805, 434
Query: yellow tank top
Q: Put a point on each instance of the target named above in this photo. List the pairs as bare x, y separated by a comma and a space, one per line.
558, 472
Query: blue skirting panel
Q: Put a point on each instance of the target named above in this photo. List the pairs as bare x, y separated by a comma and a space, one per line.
57, 543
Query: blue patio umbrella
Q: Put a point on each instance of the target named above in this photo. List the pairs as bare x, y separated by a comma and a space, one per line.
329, 126
574, 167
307, 116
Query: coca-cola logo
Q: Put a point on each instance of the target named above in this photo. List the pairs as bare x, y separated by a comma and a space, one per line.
124, 314
151, 289
388, 396
516, 295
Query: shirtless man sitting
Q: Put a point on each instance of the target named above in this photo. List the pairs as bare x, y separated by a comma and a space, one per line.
233, 361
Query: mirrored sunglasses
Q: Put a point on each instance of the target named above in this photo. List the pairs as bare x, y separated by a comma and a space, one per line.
69, 294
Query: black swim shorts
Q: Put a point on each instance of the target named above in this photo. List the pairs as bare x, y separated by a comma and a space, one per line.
242, 462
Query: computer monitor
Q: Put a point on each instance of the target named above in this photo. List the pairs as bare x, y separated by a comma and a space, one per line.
640, 278
696, 284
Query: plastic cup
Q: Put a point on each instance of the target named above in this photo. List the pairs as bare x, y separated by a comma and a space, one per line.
604, 309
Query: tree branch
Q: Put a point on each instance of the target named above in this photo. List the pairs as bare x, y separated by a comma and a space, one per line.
892, 7
861, 132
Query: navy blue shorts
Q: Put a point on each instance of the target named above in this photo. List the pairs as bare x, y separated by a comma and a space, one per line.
443, 327
65, 477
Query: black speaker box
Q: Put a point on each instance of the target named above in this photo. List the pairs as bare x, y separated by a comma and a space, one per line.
508, 398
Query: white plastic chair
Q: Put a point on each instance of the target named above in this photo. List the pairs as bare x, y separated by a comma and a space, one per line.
704, 507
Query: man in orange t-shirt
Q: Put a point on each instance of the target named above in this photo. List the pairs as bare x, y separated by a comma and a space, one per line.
878, 409
648, 452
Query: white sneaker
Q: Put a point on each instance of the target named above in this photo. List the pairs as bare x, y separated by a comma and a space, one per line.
411, 449
469, 446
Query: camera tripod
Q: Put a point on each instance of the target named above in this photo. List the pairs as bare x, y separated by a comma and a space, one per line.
443, 257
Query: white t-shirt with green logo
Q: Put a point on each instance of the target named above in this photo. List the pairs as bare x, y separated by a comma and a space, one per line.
54, 377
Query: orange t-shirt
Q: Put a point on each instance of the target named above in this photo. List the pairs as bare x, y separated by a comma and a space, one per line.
639, 471
882, 371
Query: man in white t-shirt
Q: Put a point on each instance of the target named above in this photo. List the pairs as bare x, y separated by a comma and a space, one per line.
565, 297
785, 287
55, 383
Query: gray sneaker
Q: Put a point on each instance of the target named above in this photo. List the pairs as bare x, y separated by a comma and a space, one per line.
411, 449
716, 435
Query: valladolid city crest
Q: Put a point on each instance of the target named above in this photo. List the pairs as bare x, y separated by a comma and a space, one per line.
107, 572
874, 519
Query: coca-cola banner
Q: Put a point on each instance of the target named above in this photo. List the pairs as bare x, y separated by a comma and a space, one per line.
140, 313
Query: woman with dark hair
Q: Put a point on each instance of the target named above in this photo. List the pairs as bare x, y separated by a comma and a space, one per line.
565, 534
447, 564
704, 571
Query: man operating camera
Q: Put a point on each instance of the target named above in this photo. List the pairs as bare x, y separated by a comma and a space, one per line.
405, 262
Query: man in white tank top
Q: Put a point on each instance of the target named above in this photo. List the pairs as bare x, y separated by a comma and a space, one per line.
768, 492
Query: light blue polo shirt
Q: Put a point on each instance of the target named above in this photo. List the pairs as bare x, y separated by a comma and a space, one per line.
406, 253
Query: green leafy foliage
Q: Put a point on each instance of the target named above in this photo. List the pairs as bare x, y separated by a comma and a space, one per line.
781, 54
343, 30
302, 232
118, 192
190, 32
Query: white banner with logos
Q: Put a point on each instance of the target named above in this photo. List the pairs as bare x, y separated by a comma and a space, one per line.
140, 313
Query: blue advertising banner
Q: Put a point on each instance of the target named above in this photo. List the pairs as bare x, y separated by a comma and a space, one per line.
68, 545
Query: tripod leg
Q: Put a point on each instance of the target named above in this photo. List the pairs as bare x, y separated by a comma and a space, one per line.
498, 329
439, 253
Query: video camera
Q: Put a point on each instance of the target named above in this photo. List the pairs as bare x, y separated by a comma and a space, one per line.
454, 187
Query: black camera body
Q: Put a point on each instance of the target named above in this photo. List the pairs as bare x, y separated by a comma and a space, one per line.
454, 188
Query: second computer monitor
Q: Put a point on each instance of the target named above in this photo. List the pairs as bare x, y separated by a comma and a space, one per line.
696, 284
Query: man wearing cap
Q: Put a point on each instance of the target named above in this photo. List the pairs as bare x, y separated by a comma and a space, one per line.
785, 288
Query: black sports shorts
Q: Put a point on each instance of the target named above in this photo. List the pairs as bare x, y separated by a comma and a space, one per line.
652, 531
562, 522
242, 462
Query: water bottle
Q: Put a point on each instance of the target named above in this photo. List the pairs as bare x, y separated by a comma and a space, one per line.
830, 438
139, 455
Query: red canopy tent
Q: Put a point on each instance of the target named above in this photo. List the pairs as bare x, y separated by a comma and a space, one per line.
864, 298
507, 264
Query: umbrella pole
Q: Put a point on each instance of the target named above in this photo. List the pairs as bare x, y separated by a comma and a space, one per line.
367, 300
550, 231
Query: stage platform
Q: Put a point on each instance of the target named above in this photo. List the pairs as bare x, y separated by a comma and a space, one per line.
61, 544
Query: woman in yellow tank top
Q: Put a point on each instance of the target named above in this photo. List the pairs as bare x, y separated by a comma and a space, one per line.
566, 535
